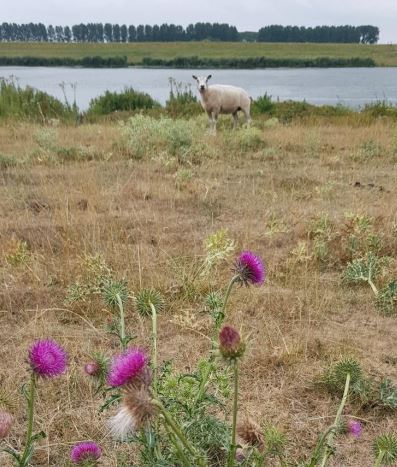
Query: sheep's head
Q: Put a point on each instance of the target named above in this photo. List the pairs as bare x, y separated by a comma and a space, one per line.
202, 82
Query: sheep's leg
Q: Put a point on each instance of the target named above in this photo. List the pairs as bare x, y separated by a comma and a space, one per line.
214, 116
235, 120
247, 118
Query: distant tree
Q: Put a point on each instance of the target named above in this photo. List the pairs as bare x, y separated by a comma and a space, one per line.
51, 33
131, 33
67, 34
116, 33
123, 33
59, 34
108, 32
140, 33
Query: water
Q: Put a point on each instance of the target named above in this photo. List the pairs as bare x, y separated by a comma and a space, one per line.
353, 87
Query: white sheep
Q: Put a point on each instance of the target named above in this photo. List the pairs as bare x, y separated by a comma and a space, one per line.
223, 99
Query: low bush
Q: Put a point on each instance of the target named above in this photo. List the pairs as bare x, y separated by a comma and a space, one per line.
127, 100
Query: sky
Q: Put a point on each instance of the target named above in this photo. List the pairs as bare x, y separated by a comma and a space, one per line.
246, 15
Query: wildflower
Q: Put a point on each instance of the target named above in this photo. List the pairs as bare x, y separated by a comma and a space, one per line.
354, 428
136, 409
230, 344
126, 366
47, 358
85, 452
250, 269
92, 368
6, 420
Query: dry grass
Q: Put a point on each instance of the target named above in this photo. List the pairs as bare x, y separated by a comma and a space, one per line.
136, 215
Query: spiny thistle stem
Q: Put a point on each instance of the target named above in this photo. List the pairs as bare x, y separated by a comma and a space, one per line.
207, 374
233, 446
178, 433
122, 322
178, 447
154, 337
373, 287
332, 431
379, 459
26, 453
227, 295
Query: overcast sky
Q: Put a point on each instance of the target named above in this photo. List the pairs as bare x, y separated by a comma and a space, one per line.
245, 14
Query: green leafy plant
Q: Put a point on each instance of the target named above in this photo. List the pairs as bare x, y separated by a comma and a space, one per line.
385, 450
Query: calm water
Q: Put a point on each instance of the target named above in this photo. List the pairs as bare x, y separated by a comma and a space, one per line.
353, 87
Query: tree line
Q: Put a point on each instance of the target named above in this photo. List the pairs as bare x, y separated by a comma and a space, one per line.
342, 34
99, 32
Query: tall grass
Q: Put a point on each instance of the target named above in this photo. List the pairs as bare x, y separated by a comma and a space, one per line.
29, 103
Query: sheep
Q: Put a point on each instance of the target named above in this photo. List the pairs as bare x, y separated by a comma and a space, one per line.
223, 99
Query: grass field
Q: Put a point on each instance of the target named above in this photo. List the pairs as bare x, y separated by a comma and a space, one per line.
69, 193
383, 55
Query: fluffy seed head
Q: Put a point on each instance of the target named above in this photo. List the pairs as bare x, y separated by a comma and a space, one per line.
135, 411
47, 358
250, 269
6, 421
85, 452
122, 424
126, 366
354, 428
230, 344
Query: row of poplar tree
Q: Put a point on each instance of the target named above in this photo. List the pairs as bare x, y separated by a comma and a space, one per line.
99, 32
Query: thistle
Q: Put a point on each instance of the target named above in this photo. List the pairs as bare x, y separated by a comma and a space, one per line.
115, 295
47, 359
232, 348
86, 453
6, 421
354, 428
126, 366
249, 269
149, 302
385, 450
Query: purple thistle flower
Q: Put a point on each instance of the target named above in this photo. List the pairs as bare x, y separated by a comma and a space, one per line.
6, 421
354, 428
230, 344
126, 366
85, 451
47, 358
250, 268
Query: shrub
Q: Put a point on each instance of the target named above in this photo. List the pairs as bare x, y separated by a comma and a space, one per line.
127, 100
181, 102
263, 104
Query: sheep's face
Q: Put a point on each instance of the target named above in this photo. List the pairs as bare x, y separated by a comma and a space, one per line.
202, 82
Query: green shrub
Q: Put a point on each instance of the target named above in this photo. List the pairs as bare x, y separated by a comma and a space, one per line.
182, 102
263, 104
127, 100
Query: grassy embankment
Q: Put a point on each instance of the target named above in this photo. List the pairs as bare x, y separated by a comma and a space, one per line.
138, 199
383, 55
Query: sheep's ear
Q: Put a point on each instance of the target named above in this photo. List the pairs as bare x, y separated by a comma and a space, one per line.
194, 77
209, 77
